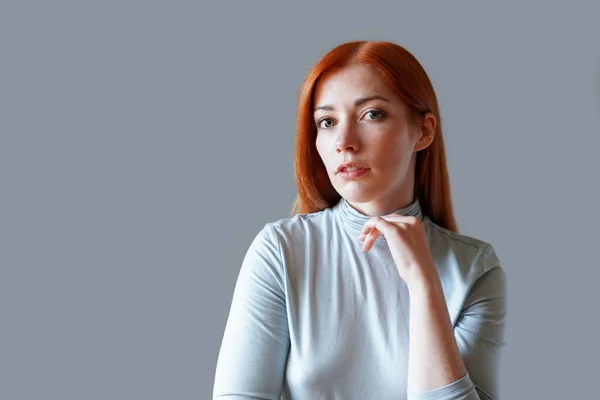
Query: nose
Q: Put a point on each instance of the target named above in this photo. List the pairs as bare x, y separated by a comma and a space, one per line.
347, 140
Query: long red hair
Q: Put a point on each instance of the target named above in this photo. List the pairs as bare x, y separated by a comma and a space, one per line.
409, 80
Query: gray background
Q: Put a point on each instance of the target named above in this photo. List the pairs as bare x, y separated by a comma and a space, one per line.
144, 144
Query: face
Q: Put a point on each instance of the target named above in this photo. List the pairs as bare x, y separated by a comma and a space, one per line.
360, 119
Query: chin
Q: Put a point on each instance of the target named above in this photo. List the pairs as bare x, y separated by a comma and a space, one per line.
357, 195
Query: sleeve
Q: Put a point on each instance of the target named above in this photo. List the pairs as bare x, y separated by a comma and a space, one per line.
479, 332
255, 345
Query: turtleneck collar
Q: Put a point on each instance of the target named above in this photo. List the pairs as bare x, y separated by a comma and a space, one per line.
353, 221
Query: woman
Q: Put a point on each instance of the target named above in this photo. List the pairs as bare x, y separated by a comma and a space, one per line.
326, 300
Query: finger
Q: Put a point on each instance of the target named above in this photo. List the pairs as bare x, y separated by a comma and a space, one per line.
379, 226
369, 240
366, 232
410, 219
379, 223
388, 224
366, 229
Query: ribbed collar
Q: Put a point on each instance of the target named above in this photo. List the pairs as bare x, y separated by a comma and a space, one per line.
353, 221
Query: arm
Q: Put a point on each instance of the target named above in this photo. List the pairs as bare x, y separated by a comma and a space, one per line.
462, 363
253, 354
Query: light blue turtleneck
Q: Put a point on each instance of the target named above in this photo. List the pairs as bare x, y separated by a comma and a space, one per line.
315, 317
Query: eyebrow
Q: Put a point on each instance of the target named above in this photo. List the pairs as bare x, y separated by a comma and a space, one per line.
358, 102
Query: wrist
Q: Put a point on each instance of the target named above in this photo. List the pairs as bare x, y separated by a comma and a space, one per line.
426, 283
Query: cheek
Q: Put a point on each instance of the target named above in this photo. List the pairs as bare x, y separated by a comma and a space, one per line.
321, 149
393, 154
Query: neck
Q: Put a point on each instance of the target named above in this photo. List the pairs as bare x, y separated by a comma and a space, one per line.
379, 207
354, 220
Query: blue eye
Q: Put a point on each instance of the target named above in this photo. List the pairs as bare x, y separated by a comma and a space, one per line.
318, 124
381, 113
375, 115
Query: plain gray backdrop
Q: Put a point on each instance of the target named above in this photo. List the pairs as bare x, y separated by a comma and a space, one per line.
143, 145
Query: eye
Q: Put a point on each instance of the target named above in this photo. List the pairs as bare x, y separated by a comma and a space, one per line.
376, 112
318, 123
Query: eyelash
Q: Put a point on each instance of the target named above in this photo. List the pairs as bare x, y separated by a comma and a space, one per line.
383, 115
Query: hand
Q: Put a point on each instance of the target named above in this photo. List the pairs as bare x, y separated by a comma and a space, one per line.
407, 241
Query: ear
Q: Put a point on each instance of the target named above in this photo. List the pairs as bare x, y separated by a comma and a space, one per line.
426, 132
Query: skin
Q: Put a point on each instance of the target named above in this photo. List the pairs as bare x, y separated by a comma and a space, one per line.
378, 135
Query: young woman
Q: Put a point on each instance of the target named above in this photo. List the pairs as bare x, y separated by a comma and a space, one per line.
367, 291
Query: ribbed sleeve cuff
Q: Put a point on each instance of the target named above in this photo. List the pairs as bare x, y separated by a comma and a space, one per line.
461, 389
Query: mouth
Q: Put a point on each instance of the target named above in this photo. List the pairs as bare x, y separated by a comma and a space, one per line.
350, 167
353, 172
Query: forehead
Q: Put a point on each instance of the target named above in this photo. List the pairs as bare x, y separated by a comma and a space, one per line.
351, 82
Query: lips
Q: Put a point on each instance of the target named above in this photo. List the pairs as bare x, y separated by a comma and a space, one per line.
343, 166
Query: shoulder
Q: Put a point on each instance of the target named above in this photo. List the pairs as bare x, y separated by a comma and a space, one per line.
279, 246
471, 254
278, 241
454, 237
466, 265
300, 225
291, 237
